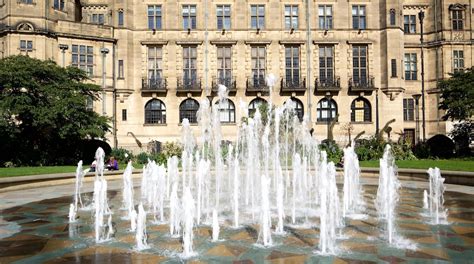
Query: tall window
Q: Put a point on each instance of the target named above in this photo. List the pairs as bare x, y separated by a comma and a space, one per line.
83, 58
226, 111
409, 24
189, 66
360, 110
359, 17
27, 2
291, 16
188, 109
408, 109
257, 16
325, 16
254, 104
124, 114
393, 17
326, 110
258, 55
120, 18
224, 66
292, 64
58, 5
359, 64
120, 69
154, 17
189, 16
223, 17
326, 64
89, 103
155, 112
457, 19
410, 66
155, 67
458, 60
299, 109
394, 68
26, 45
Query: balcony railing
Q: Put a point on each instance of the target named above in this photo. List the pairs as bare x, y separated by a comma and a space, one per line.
189, 85
295, 85
362, 85
327, 85
228, 82
154, 85
257, 84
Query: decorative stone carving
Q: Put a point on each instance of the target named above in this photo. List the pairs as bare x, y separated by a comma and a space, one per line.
25, 27
392, 92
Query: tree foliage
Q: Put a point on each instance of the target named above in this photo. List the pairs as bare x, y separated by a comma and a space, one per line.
457, 94
43, 113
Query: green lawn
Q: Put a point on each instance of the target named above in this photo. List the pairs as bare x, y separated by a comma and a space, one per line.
453, 164
24, 171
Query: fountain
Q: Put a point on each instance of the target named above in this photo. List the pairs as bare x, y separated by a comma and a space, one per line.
188, 223
387, 194
141, 236
215, 226
352, 200
127, 190
330, 219
435, 198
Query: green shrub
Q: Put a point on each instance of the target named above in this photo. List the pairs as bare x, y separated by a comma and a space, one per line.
332, 149
422, 150
142, 158
372, 149
161, 159
170, 149
120, 155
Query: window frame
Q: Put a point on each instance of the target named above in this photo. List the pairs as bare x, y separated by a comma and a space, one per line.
409, 106
188, 112
325, 20
155, 72
229, 109
258, 71
124, 115
393, 17
189, 64
292, 71
120, 69
224, 62
27, 47
155, 16
259, 18
88, 64
120, 18
362, 79
254, 104
366, 109
360, 17
457, 19
458, 60
393, 66
58, 5
323, 78
331, 112
189, 18
155, 112
223, 17
409, 24
411, 66
293, 22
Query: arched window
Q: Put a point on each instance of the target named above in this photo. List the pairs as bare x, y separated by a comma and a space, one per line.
326, 110
155, 112
299, 108
188, 109
361, 111
254, 105
226, 111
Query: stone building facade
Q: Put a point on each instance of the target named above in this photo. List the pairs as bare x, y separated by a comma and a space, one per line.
157, 60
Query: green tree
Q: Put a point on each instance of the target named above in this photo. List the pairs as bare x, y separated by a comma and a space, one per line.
43, 113
457, 94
